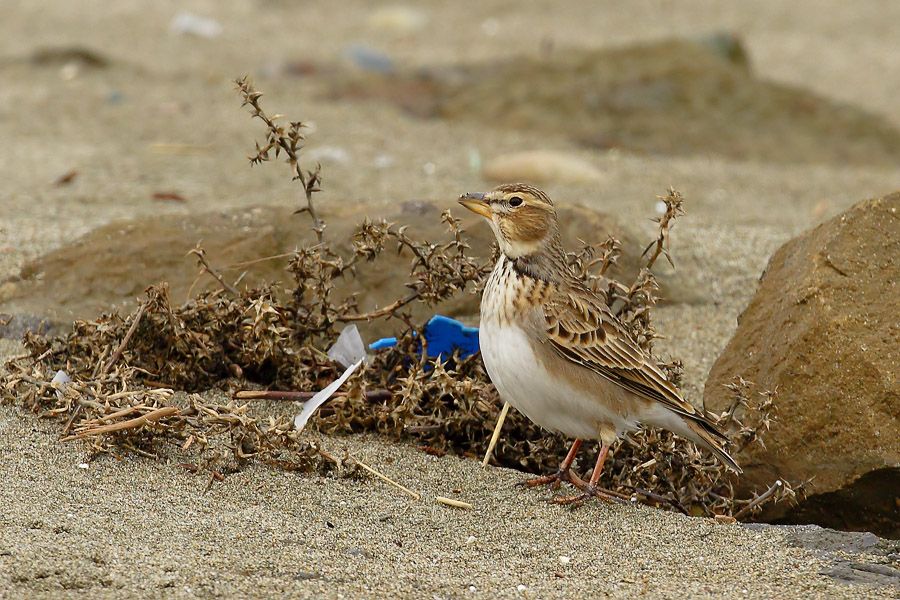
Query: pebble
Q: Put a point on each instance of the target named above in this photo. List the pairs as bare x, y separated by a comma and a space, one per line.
401, 20
541, 166
370, 59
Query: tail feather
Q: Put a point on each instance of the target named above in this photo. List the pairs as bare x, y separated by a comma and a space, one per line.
704, 437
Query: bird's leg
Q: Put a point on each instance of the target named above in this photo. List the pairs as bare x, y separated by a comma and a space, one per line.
590, 489
563, 474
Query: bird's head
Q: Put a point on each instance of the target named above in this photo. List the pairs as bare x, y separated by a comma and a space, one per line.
522, 217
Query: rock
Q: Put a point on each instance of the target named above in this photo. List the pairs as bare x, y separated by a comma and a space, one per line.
672, 97
108, 268
541, 166
823, 329
398, 20
370, 59
850, 557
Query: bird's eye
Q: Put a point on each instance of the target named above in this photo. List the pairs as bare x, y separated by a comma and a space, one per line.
515, 201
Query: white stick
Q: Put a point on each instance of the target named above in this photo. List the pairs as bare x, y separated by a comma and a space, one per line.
496, 435
386, 479
453, 503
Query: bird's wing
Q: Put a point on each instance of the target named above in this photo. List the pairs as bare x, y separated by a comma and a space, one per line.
582, 329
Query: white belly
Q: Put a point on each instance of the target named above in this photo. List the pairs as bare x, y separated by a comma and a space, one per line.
523, 382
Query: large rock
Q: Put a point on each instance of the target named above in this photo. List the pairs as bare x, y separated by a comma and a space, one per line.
824, 329
111, 266
673, 96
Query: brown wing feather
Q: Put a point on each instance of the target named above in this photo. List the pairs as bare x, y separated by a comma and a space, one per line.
581, 328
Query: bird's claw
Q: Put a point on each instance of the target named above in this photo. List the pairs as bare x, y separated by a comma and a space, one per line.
587, 492
554, 481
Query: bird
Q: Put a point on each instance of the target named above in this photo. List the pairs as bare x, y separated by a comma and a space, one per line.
556, 352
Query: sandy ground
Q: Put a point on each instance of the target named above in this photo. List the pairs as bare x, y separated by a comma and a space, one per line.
138, 528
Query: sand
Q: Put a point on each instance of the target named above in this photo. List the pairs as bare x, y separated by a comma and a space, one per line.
142, 528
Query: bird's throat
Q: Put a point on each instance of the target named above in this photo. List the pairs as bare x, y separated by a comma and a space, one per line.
546, 266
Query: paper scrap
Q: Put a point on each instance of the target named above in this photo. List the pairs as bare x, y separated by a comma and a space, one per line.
321, 397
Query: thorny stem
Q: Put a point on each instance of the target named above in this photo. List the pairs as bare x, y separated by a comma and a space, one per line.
200, 253
373, 395
759, 499
381, 312
288, 141
674, 208
124, 343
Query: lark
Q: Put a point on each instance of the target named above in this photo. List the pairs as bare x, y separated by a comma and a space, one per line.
555, 351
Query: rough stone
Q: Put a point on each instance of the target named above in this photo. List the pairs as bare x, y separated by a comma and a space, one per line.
823, 330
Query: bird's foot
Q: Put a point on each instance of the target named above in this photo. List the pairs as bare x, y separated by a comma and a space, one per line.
589, 492
554, 480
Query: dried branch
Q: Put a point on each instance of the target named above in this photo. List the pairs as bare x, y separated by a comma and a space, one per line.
156, 415
200, 253
673, 208
117, 353
288, 140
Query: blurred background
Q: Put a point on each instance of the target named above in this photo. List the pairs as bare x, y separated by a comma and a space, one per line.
136, 99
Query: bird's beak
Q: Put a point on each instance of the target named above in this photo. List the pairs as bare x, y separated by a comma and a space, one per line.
477, 204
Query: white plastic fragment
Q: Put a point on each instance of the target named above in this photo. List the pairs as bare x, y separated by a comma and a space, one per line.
60, 379
319, 399
564, 560
59, 382
191, 24
83, 465
349, 347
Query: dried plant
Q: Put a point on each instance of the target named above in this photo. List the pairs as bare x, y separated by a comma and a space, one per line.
124, 371
289, 141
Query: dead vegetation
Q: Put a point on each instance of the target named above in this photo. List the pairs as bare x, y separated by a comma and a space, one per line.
135, 380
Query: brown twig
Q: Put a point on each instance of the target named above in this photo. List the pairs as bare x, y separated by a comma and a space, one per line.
674, 203
374, 395
107, 367
117, 353
200, 253
150, 417
775, 487
381, 312
288, 140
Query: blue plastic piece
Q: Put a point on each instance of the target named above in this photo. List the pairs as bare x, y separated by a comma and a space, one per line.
383, 343
443, 336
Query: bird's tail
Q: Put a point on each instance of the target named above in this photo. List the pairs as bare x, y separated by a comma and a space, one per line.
700, 433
